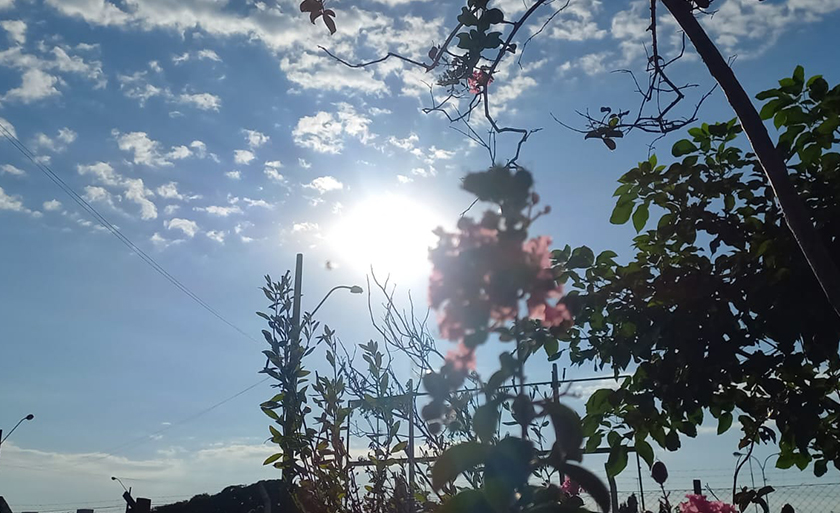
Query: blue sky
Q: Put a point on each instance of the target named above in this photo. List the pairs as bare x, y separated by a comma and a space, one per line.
219, 140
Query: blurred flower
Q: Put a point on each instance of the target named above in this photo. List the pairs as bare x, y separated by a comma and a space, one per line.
570, 487
478, 81
462, 358
699, 504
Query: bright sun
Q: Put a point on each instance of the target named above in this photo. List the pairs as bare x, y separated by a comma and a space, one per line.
391, 233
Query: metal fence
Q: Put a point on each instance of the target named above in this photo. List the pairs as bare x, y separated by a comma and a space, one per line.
805, 498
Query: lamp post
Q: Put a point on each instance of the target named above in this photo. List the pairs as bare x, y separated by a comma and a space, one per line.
120, 482
289, 408
3, 439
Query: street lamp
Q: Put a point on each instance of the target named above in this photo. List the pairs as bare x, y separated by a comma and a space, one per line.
354, 289
120, 482
3, 439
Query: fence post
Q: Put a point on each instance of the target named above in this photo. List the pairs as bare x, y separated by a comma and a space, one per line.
698, 489
555, 385
412, 400
641, 486
613, 491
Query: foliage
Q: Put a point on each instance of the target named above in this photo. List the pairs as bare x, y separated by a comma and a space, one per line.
718, 312
485, 276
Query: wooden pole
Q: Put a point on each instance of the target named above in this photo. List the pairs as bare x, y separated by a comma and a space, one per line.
797, 216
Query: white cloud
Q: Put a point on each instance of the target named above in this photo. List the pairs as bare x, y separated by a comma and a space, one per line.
8, 126
216, 235
168, 210
35, 85
13, 203
324, 184
276, 164
234, 175
189, 228
208, 54
146, 151
576, 22
170, 191
58, 144
255, 139
96, 194
16, 30
219, 211
135, 191
199, 148
304, 164
162, 242
132, 189
404, 179
203, 101
325, 132
179, 153
102, 171
243, 156
155, 66
52, 205
305, 227
11, 170
274, 175
406, 144
149, 152
258, 203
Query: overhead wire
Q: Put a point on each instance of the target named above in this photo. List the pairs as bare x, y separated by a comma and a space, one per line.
87, 207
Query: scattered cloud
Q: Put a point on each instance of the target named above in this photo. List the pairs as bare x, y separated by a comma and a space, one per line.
132, 189
305, 227
16, 30
203, 101
148, 152
234, 175
255, 139
57, 144
243, 157
14, 203
52, 205
189, 228
8, 169
324, 132
35, 85
216, 235
219, 210
304, 164
324, 184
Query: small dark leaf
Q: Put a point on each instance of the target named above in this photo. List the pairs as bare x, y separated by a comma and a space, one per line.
589, 482
617, 460
455, 460
610, 143
330, 24
683, 147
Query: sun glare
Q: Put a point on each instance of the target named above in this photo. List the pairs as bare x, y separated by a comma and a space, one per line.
391, 233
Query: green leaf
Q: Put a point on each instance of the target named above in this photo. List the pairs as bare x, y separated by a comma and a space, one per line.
622, 210
567, 429
271, 413
271, 459
829, 125
728, 202
455, 460
466, 501
724, 423
799, 74
486, 420
493, 16
617, 460
400, 447
645, 451
589, 482
640, 217
581, 258
683, 147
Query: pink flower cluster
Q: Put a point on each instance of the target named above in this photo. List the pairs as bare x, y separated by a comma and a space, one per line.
699, 504
478, 81
480, 275
570, 487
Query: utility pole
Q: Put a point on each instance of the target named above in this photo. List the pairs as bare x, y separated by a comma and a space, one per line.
290, 409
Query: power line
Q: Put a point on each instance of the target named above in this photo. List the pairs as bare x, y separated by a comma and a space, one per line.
87, 207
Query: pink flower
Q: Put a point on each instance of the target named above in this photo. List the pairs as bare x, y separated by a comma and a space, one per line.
478, 81
570, 487
699, 504
462, 358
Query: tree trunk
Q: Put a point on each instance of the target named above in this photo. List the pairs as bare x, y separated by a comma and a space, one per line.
796, 215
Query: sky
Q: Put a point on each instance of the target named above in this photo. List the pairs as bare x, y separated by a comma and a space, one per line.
219, 139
